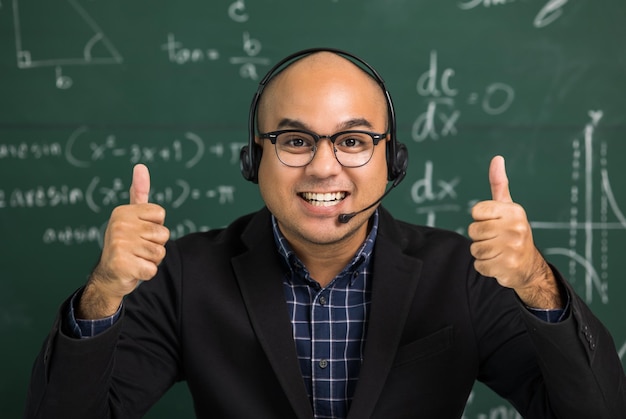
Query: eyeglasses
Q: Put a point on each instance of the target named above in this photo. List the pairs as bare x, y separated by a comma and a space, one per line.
296, 148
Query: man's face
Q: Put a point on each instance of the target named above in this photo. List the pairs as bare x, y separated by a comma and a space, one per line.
323, 94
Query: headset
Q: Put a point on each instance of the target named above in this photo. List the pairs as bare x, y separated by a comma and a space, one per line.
250, 156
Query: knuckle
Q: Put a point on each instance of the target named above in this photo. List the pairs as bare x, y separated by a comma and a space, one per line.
521, 228
518, 210
147, 274
481, 268
475, 250
159, 253
478, 209
512, 262
163, 234
117, 211
161, 213
156, 211
155, 232
516, 243
154, 251
148, 271
115, 244
471, 230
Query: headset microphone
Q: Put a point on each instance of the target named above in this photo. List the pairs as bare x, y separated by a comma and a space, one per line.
345, 218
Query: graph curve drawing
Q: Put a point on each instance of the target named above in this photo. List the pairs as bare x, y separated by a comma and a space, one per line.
589, 223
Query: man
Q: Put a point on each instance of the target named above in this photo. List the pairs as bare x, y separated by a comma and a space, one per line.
322, 305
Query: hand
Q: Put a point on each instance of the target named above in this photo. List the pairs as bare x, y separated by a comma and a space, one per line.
503, 245
134, 245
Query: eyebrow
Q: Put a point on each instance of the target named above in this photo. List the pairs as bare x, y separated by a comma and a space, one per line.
297, 124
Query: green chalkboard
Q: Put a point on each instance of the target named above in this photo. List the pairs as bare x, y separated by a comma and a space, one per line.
88, 88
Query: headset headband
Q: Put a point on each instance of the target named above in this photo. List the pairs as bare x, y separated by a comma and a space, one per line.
250, 154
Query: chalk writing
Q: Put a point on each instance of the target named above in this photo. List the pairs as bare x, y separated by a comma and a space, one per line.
36, 150
423, 190
179, 54
582, 194
76, 235
550, 12
82, 149
435, 195
82, 235
41, 197
237, 12
184, 227
85, 147
98, 41
62, 81
99, 194
441, 115
471, 4
247, 62
251, 47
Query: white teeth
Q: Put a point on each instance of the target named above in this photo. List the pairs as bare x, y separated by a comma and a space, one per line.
324, 199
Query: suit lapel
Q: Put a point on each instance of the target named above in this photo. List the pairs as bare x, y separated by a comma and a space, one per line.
259, 274
395, 280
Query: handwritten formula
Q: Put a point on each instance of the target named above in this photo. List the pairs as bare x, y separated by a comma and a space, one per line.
551, 11
437, 87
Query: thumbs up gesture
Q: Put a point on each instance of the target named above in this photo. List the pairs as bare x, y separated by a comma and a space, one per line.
134, 245
503, 245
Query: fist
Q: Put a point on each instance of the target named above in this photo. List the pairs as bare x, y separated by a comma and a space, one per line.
134, 241
502, 238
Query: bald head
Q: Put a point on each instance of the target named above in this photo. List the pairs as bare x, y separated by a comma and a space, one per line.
321, 70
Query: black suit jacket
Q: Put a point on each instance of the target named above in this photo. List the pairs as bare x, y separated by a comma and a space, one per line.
216, 316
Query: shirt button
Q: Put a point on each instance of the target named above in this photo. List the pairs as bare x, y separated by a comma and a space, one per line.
323, 300
323, 363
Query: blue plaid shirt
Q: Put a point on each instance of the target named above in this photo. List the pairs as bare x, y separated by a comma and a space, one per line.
329, 325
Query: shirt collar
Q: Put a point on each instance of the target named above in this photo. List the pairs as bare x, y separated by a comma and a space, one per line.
362, 256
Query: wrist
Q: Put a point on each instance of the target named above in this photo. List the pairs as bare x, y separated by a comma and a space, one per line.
95, 303
542, 291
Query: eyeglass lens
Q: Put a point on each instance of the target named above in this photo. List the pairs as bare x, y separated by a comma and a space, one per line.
352, 149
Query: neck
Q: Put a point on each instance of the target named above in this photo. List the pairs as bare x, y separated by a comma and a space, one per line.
324, 267
325, 261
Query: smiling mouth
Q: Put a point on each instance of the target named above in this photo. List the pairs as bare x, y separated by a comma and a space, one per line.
323, 199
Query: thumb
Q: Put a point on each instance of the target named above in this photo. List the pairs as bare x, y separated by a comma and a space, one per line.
498, 180
140, 187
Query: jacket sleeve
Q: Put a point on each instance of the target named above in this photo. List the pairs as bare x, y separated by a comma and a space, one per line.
71, 376
121, 372
579, 363
568, 369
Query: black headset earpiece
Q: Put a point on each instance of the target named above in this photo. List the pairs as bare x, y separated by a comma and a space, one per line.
249, 160
397, 167
250, 156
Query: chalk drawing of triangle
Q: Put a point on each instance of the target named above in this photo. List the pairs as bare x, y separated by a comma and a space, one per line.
62, 32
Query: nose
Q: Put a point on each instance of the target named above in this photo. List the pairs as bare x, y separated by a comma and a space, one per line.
324, 163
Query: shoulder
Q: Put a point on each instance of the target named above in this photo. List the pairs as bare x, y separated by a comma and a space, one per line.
413, 238
214, 249
231, 236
